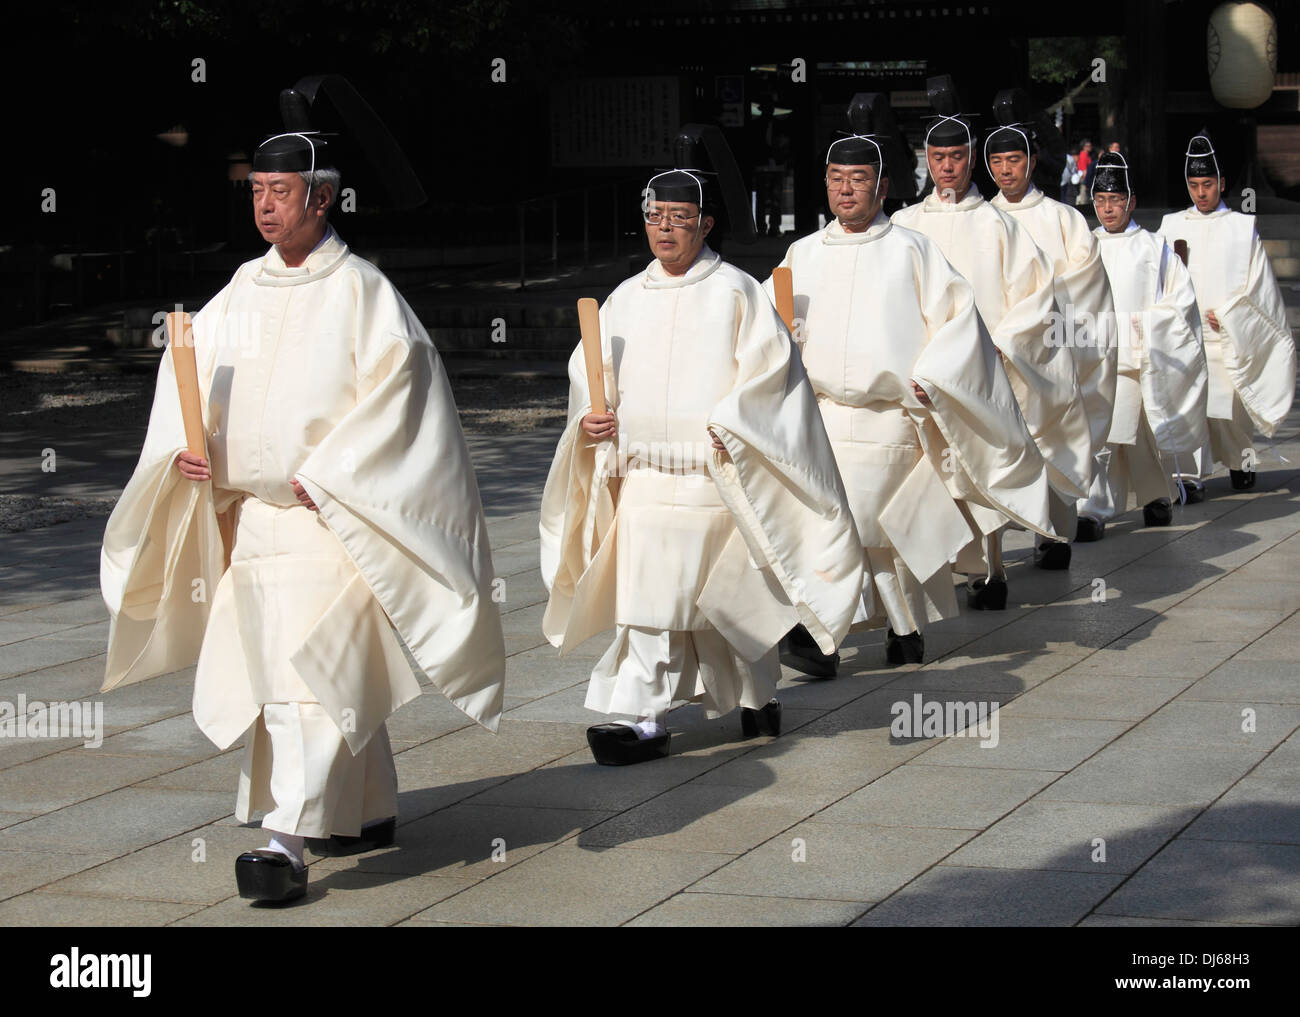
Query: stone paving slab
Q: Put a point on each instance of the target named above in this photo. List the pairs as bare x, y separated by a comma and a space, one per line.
835, 861
927, 795
961, 895
569, 885
1240, 680
72, 910
1169, 776
1080, 695
1258, 809
728, 910
1047, 834
471, 841
344, 899
1209, 880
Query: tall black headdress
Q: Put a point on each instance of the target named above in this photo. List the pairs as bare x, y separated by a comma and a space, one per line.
328, 124
875, 140
1111, 175
1016, 130
1200, 160
1023, 126
951, 126
705, 172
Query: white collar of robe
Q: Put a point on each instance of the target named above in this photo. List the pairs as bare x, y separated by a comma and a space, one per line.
327, 258
704, 265
834, 233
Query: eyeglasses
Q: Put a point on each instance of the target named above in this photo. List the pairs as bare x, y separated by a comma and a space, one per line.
858, 181
674, 218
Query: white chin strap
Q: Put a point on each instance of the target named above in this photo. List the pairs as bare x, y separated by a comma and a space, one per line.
312, 171
879, 155
699, 186
1189, 155
1128, 187
1008, 127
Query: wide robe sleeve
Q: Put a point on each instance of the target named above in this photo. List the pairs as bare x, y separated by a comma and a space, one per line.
1258, 347
577, 514
394, 482
1172, 369
779, 477
1082, 288
1041, 369
165, 546
993, 460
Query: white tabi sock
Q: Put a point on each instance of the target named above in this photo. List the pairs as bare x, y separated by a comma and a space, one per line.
649, 729
290, 845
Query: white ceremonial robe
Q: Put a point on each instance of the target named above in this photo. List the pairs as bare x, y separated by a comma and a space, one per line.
1015, 296
1160, 394
1251, 358
873, 311
700, 560
320, 373
1083, 298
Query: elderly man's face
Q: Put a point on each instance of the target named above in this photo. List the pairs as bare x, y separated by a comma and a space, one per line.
950, 169
279, 201
676, 246
852, 193
1205, 192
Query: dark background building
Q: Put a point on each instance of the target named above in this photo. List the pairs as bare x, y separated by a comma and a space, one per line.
546, 118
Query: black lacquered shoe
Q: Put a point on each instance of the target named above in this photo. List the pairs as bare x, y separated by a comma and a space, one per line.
800, 651
621, 745
1193, 494
1241, 480
1054, 556
987, 595
1089, 530
766, 721
269, 877
379, 834
908, 649
1157, 513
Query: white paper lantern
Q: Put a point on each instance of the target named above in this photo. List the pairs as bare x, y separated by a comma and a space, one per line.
1241, 45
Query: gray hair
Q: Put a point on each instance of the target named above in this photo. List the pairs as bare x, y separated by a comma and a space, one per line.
321, 177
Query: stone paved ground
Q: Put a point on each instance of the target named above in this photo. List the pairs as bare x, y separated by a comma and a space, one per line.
1158, 727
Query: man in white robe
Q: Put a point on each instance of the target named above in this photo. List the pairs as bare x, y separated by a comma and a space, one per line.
1085, 313
1249, 347
336, 497
1014, 294
917, 406
702, 516
1161, 386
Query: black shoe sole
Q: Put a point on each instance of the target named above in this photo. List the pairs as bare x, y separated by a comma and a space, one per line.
1157, 514
982, 595
267, 882
1089, 531
766, 721
1054, 557
908, 649
808, 659
381, 835
610, 748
